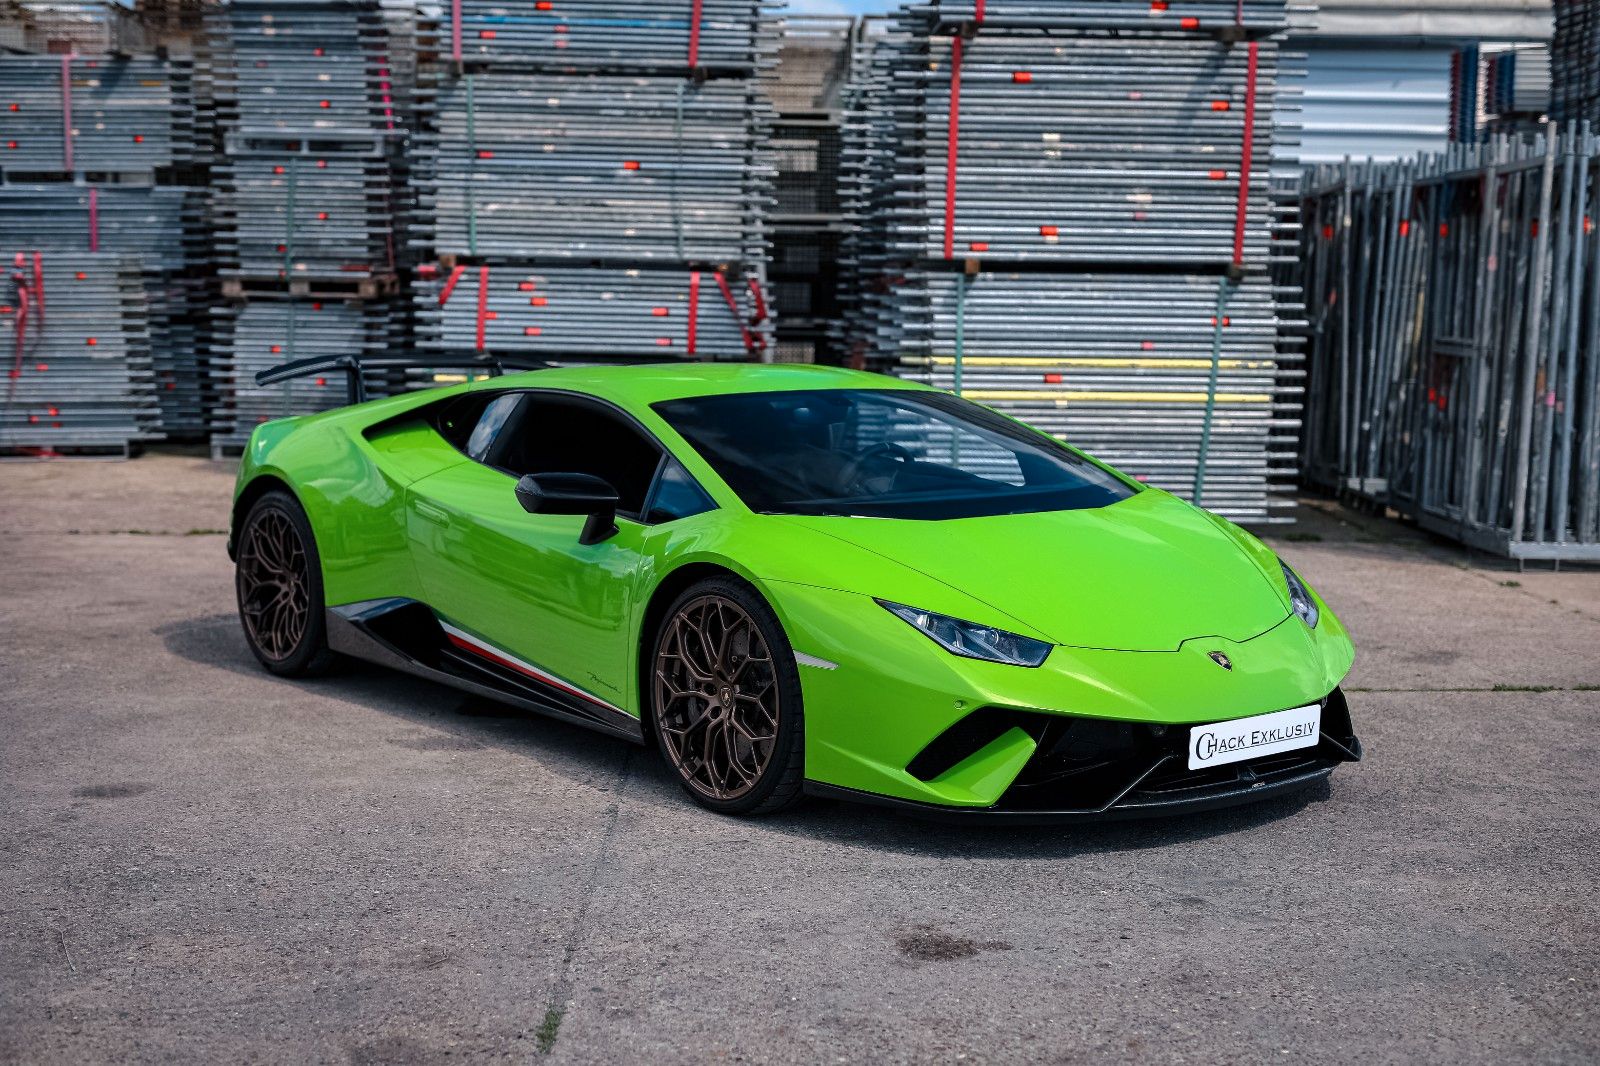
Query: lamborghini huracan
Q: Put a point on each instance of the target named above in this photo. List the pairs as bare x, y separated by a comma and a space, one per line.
793, 580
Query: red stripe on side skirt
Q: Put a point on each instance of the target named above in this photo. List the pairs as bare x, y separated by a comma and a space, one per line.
509, 664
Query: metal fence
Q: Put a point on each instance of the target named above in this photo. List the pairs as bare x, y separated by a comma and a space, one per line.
1455, 340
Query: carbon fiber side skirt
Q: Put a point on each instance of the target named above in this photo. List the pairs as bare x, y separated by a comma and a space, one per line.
406, 635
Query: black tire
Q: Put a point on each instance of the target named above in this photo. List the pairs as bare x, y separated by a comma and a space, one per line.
278, 581
690, 714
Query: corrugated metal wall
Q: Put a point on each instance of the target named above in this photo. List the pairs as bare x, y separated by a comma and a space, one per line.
1378, 72
1382, 99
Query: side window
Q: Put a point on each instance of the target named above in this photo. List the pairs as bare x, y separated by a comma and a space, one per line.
470, 422
552, 435
677, 495
456, 418
488, 427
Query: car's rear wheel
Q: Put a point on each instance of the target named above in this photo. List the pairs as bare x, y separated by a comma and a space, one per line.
725, 700
278, 578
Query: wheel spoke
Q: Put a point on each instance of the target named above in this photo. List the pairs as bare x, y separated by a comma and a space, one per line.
274, 588
717, 697
735, 764
676, 649
760, 728
691, 721
708, 760
752, 663
669, 688
725, 631
705, 662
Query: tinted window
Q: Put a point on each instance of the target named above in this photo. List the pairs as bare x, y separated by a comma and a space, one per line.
552, 435
677, 495
489, 424
457, 418
884, 454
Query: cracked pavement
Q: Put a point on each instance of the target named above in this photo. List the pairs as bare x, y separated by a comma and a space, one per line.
203, 862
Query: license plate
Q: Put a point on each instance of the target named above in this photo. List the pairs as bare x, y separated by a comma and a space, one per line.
1251, 738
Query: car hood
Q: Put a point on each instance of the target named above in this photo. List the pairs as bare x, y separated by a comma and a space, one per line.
1144, 574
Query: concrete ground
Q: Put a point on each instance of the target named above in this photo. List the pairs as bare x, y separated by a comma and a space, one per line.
203, 862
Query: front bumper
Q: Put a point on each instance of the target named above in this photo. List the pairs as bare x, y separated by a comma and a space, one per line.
886, 716
1114, 770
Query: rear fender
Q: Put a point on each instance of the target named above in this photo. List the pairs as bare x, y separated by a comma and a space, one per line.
352, 492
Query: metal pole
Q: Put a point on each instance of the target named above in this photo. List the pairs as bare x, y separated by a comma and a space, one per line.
1533, 329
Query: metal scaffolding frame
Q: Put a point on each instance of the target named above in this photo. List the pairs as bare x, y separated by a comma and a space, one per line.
1455, 340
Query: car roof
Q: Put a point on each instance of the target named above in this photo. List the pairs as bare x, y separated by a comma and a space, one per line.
648, 383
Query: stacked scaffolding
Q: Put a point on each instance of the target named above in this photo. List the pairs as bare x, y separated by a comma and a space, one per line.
98, 156
1517, 82
592, 182
1575, 62
1067, 214
1455, 340
808, 223
17, 30
259, 333
1498, 89
305, 197
89, 27
161, 229
862, 326
128, 115
172, 23
80, 380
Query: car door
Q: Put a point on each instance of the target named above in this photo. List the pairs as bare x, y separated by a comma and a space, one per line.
520, 586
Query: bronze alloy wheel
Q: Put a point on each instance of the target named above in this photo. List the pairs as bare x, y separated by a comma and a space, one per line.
274, 585
716, 697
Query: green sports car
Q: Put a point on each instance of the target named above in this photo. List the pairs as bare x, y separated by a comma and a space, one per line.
792, 580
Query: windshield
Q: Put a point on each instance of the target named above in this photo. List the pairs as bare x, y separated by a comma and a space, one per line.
884, 454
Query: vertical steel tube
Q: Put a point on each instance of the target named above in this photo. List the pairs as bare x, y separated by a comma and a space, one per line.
1533, 332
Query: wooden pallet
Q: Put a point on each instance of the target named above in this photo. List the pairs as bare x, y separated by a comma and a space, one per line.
329, 288
21, 453
330, 145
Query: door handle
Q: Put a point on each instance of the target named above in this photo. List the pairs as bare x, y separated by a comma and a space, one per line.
437, 515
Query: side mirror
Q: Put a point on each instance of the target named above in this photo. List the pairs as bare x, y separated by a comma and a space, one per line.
572, 494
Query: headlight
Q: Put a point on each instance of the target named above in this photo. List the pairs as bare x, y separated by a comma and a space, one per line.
1300, 597
971, 640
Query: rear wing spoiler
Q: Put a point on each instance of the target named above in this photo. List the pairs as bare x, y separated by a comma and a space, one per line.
353, 368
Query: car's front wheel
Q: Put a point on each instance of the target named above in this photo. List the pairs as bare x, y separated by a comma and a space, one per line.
278, 578
725, 697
